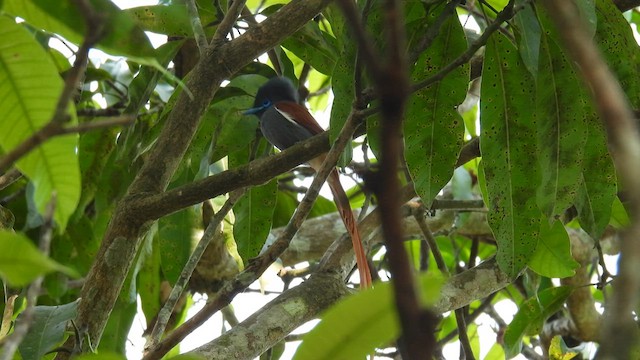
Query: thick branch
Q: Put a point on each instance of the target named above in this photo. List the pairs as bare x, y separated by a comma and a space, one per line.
276, 320
254, 173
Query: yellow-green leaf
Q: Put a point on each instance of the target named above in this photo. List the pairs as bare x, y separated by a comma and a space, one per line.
21, 262
29, 91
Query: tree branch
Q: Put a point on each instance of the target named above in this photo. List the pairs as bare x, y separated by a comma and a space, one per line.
277, 319
196, 26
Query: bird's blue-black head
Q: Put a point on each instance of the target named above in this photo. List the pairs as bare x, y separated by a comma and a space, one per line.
276, 105
275, 90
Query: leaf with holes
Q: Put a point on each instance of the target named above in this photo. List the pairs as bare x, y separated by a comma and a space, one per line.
510, 167
433, 128
562, 107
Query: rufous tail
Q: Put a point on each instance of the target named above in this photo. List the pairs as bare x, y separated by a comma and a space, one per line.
342, 202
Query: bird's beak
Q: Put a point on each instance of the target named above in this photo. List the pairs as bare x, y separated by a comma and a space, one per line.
252, 111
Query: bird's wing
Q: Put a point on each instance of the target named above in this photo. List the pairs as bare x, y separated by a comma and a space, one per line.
300, 114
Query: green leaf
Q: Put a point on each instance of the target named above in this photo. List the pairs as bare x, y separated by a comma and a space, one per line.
598, 188
615, 39
231, 131
531, 316
557, 352
552, 257
495, 353
587, 10
511, 172
21, 262
30, 86
175, 240
528, 33
149, 282
122, 37
254, 211
358, 324
93, 152
170, 20
619, 215
47, 329
342, 79
433, 127
114, 338
562, 107
314, 46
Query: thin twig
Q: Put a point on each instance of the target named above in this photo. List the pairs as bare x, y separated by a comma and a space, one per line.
460, 205
9, 178
433, 30
419, 213
23, 323
465, 344
196, 26
185, 275
507, 13
227, 22
55, 128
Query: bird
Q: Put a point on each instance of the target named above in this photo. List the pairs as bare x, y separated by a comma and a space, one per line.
284, 122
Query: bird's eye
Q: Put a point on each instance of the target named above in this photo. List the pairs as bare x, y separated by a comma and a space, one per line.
266, 103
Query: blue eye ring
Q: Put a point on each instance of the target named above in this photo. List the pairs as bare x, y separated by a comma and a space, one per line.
266, 103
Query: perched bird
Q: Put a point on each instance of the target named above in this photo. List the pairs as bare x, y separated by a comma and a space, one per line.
284, 122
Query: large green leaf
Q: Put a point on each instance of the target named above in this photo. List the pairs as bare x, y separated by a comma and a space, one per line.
510, 168
122, 36
21, 262
358, 324
314, 46
562, 107
552, 257
254, 212
47, 329
528, 34
175, 239
615, 39
225, 127
433, 127
149, 282
114, 338
171, 20
29, 90
598, 188
531, 316
342, 78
